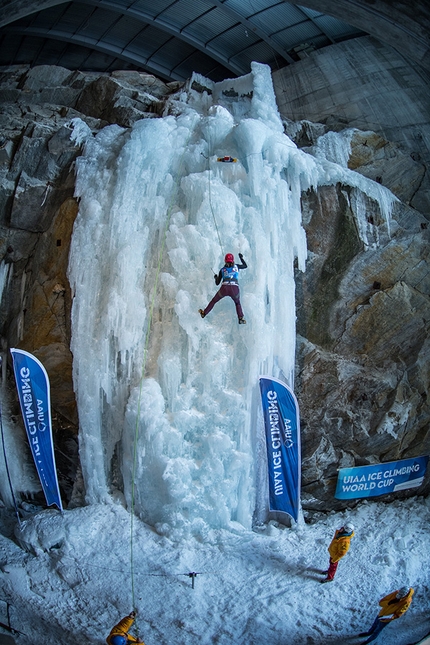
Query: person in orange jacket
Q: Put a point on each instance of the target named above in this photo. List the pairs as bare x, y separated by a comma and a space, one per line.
339, 547
119, 633
393, 606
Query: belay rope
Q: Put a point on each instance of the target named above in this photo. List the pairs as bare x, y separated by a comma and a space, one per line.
210, 204
145, 353
192, 575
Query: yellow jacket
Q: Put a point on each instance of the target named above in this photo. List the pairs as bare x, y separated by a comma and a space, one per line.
397, 607
121, 629
339, 545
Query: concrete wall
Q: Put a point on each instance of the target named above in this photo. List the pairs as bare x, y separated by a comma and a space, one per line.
367, 83
402, 24
369, 86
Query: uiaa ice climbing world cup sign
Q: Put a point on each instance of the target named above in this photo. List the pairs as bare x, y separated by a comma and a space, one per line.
380, 479
281, 421
32, 384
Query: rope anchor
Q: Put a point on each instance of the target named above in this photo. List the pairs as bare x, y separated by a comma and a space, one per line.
192, 575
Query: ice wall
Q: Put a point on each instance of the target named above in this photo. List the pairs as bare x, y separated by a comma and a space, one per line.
157, 214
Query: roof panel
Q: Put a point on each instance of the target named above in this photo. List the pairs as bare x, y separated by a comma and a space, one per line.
234, 40
210, 25
98, 23
55, 13
69, 54
96, 60
248, 7
278, 15
193, 35
173, 52
180, 14
335, 28
123, 31
310, 12
288, 13
148, 41
152, 8
48, 51
260, 52
75, 16
293, 36
198, 60
9, 48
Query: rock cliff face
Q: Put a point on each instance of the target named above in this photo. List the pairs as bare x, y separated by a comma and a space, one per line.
363, 316
363, 307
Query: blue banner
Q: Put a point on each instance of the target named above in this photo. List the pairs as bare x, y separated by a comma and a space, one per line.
34, 396
380, 479
281, 421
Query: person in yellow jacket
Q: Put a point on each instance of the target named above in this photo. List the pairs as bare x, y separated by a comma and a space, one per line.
339, 547
119, 634
393, 606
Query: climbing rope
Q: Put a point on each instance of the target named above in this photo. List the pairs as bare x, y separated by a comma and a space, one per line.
145, 574
145, 353
210, 204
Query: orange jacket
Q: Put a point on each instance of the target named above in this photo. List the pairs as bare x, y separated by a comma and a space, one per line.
339, 545
121, 629
397, 608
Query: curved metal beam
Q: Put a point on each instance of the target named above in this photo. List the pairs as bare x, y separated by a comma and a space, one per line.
143, 17
85, 41
12, 10
402, 25
320, 28
249, 25
173, 31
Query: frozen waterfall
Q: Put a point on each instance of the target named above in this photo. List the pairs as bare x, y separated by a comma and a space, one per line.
157, 214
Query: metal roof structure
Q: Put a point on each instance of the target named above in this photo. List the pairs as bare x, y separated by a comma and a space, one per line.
168, 38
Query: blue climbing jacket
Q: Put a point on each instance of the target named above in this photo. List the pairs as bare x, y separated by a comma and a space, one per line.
230, 274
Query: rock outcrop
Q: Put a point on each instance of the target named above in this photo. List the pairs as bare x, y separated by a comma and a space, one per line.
363, 308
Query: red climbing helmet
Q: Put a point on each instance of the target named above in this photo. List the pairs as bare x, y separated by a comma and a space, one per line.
229, 258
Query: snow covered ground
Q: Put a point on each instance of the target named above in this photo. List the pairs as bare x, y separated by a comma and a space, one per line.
251, 588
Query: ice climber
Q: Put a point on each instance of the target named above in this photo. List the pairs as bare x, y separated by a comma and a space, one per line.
229, 276
119, 634
339, 547
393, 606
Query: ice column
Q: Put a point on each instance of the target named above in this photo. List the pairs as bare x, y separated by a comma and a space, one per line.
157, 214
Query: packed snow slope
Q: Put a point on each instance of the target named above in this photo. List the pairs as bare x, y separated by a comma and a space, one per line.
252, 588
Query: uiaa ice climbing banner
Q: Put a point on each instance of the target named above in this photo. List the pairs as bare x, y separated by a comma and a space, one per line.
282, 426
380, 479
32, 383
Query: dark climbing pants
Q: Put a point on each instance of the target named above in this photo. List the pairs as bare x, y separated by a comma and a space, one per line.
376, 629
231, 290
